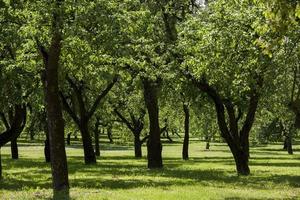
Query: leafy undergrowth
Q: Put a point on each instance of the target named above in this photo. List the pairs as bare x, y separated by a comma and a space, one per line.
117, 175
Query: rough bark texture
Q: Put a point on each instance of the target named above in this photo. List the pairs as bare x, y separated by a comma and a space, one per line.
14, 149
185, 148
54, 116
137, 147
154, 146
89, 154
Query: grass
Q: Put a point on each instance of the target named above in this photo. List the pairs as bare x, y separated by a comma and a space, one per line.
118, 176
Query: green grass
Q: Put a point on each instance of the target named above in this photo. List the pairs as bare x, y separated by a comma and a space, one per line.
117, 175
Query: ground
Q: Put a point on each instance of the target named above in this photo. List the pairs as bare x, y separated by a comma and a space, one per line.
118, 176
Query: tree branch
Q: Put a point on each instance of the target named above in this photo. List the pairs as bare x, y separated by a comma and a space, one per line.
124, 120
101, 96
67, 108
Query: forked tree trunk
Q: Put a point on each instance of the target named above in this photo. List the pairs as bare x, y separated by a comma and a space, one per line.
14, 149
135, 125
237, 140
154, 146
85, 115
185, 148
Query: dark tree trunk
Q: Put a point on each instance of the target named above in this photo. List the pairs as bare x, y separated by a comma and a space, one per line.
207, 145
288, 145
89, 154
154, 146
109, 134
69, 139
14, 149
241, 162
54, 115
47, 150
46, 141
185, 148
137, 146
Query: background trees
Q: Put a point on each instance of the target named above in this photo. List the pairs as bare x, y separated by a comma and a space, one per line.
188, 65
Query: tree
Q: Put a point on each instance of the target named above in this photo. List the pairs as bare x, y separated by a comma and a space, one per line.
233, 78
83, 117
53, 107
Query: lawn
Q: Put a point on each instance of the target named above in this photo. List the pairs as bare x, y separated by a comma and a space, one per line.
117, 175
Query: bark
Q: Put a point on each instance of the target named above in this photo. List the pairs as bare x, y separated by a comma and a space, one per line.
185, 148
154, 146
47, 150
137, 147
14, 149
241, 162
89, 154
55, 121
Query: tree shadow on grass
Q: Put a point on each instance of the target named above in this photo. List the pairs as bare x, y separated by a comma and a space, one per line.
124, 172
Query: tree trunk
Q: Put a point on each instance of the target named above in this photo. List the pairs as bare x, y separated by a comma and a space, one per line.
14, 149
154, 146
69, 139
137, 146
207, 145
54, 118
47, 150
241, 162
185, 148
89, 154
288, 144
109, 134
